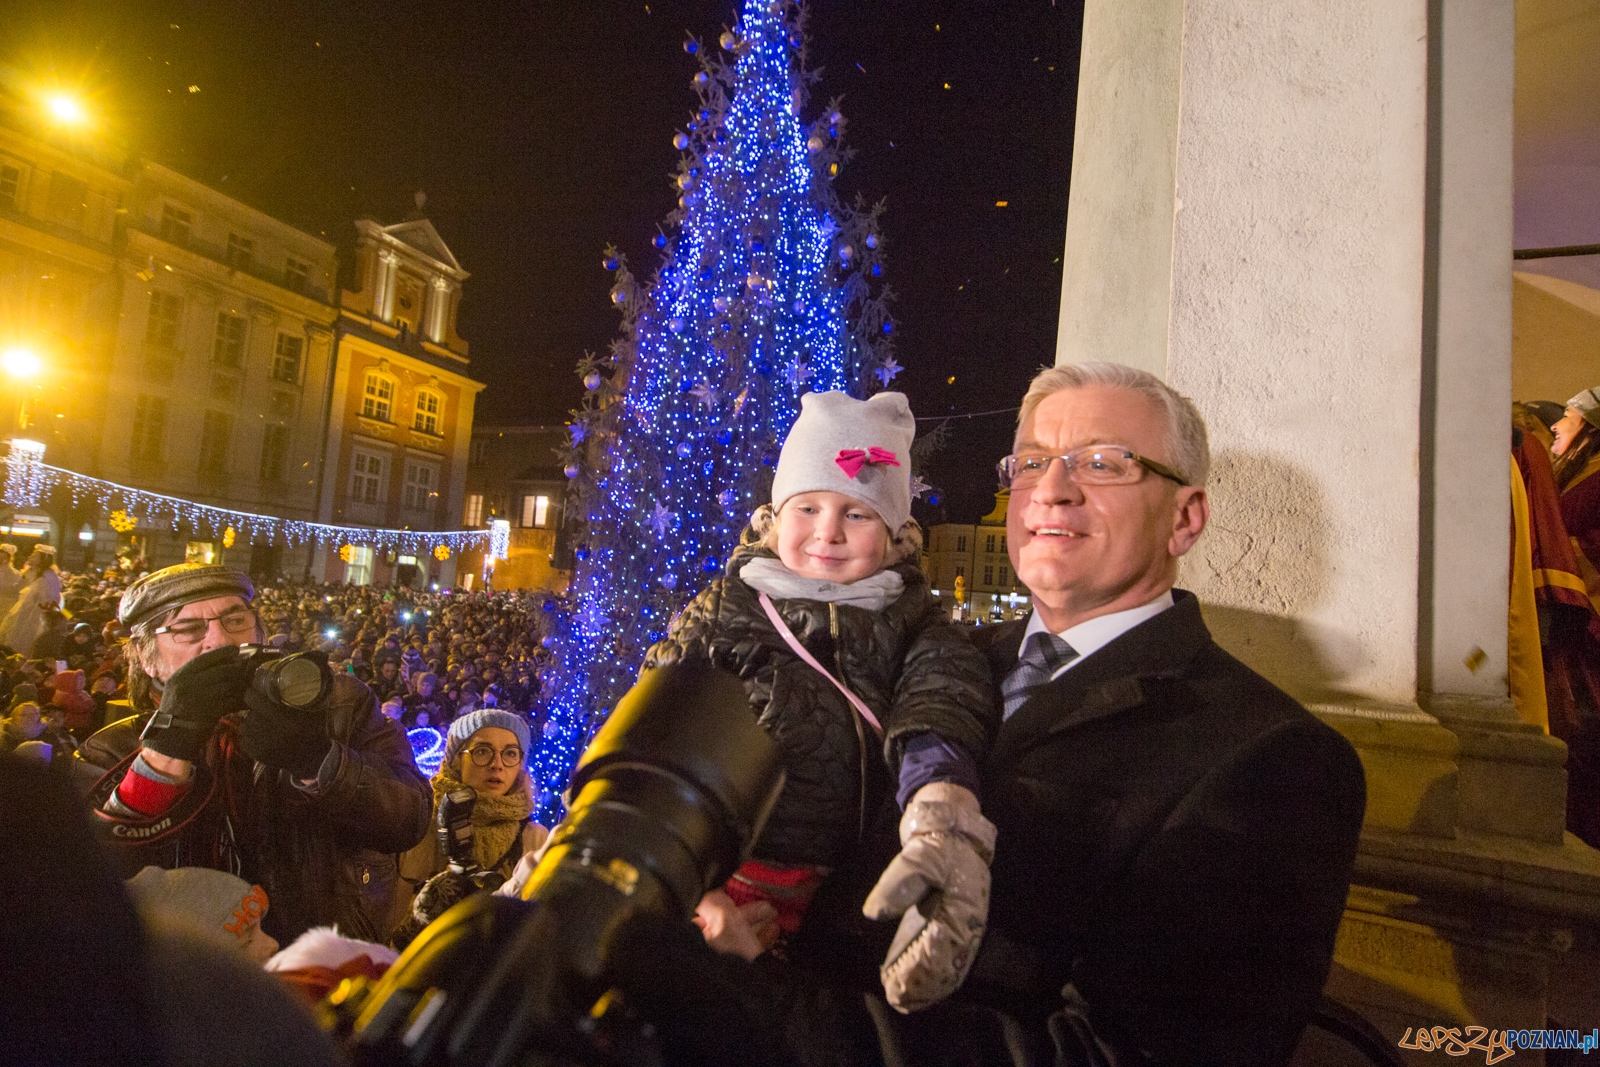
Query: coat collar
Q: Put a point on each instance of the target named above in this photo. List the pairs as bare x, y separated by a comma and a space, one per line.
1106, 682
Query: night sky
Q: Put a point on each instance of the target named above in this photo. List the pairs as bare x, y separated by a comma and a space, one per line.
541, 131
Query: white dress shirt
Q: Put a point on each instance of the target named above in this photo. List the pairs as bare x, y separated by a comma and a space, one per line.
1089, 637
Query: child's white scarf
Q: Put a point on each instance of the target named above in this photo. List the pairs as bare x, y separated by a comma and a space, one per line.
771, 577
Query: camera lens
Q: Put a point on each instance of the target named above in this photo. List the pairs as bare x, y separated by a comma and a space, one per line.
298, 681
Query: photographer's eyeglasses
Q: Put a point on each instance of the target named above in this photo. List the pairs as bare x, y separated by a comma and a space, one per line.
235, 621
1089, 465
483, 755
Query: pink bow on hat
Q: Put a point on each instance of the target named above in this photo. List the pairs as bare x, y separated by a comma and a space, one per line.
851, 460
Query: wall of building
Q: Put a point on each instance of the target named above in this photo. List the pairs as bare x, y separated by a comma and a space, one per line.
1555, 338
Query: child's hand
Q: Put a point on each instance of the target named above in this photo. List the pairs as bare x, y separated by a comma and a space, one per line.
938, 886
746, 931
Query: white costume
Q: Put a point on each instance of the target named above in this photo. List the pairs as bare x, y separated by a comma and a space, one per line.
11, 583
25, 621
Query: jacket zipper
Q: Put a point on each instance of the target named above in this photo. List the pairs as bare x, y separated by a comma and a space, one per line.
855, 719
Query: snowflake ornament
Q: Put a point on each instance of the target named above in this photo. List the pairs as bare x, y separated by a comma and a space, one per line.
705, 394
664, 520
887, 370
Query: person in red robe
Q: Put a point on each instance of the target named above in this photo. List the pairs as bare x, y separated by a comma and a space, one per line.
1568, 590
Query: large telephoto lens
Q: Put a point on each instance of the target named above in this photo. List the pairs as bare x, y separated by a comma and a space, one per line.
664, 805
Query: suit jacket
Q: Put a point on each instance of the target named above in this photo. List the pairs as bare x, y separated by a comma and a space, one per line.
1175, 841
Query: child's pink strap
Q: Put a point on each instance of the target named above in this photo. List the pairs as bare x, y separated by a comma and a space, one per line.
800, 650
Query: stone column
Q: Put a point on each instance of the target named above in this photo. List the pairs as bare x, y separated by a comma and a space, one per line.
383, 291
1299, 214
438, 309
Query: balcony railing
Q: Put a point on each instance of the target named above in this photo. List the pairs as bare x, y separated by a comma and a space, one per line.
280, 277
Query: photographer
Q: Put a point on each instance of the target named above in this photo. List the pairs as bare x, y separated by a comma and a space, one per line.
486, 752
312, 802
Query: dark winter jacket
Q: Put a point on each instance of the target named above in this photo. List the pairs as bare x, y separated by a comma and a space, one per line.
326, 858
914, 668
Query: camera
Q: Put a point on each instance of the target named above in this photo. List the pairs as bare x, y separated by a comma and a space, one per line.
456, 838
298, 680
664, 804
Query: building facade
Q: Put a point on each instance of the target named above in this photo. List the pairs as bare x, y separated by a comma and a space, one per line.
183, 341
977, 555
221, 363
399, 403
513, 474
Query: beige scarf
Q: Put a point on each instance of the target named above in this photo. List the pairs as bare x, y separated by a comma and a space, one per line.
497, 821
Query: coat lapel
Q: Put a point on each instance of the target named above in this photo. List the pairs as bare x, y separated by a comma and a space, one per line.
1107, 682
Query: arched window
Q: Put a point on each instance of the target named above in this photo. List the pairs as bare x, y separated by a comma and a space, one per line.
429, 411
377, 396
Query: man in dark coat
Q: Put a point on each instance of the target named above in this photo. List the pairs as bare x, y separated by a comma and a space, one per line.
311, 802
1175, 834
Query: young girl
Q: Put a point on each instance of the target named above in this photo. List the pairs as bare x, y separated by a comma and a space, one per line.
857, 674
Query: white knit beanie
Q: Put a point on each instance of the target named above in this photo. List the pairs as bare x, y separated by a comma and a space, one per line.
861, 448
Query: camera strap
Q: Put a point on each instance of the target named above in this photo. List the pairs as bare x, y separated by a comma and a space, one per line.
800, 650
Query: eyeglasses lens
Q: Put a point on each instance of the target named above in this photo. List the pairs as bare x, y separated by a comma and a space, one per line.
190, 631
483, 755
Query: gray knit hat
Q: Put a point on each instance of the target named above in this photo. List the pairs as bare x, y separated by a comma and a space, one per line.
861, 448
172, 587
215, 901
462, 729
1587, 404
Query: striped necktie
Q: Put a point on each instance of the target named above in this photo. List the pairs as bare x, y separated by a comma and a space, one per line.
1044, 654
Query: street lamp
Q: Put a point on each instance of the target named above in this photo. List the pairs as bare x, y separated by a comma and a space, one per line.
22, 366
65, 109
20, 363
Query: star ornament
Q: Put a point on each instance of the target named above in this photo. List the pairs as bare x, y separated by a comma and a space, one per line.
578, 432
799, 373
919, 487
705, 394
664, 520
887, 370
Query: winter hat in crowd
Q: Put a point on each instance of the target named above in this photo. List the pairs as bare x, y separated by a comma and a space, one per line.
861, 448
473, 721
1587, 404
215, 901
170, 588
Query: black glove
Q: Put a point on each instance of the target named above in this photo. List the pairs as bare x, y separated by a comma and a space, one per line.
193, 699
295, 739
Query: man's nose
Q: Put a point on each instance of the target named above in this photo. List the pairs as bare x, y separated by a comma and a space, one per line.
216, 636
1057, 485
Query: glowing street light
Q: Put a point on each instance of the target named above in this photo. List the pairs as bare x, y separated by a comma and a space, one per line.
65, 109
20, 363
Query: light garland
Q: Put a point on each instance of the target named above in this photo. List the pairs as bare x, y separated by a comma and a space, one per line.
427, 749
499, 539
767, 290
29, 482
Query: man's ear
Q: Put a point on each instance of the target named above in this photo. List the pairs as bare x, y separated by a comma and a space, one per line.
1192, 512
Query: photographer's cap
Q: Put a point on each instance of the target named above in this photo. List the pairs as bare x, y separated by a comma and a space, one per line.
170, 588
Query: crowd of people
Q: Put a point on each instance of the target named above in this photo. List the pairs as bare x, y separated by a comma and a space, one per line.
1090, 836
429, 657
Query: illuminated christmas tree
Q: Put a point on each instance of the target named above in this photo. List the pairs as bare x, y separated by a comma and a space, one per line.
767, 289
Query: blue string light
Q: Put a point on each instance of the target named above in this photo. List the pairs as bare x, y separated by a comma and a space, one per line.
755, 302
427, 749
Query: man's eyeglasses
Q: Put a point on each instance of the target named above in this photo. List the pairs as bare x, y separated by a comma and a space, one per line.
235, 621
483, 755
1089, 465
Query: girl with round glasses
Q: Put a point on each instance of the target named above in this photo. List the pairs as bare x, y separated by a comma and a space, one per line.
488, 751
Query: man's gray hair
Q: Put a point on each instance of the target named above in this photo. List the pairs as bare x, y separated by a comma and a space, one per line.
1190, 451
